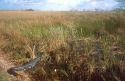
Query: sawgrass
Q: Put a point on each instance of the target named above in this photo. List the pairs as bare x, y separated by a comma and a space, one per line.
68, 39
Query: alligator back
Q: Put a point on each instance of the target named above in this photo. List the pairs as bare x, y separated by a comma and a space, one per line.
30, 64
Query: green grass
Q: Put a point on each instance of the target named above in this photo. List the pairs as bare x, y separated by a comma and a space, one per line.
3, 77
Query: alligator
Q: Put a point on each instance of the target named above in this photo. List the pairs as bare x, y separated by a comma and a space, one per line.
31, 64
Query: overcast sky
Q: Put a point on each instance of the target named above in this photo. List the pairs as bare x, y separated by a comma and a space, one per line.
57, 4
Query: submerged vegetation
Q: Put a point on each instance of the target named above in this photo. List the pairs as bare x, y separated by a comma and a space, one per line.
75, 46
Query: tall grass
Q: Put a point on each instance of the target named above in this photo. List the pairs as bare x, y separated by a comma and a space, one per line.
76, 46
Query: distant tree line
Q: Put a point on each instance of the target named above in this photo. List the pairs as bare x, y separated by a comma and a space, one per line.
29, 10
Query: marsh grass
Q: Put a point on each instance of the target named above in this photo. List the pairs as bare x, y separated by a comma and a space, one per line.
3, 76
76, 46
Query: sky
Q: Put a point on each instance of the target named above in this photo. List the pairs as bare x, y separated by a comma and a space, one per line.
57, 5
